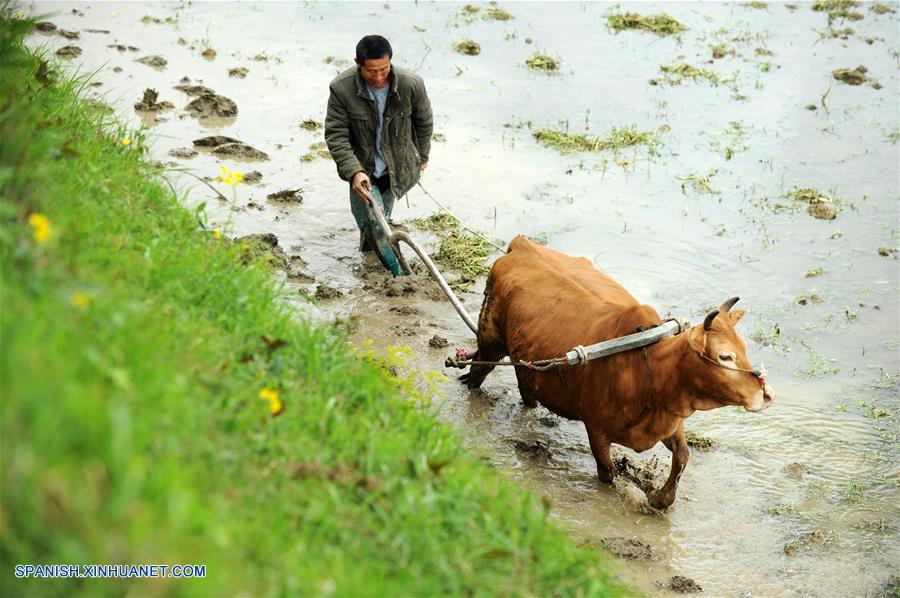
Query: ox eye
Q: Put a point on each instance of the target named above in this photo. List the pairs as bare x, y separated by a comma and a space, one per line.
726, 357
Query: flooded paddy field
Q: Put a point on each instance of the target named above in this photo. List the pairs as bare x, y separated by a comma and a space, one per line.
745, 155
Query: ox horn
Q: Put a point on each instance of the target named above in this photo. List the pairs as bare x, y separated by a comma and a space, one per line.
728, 304
707, 323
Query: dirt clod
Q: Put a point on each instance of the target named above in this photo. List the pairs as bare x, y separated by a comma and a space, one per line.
149, 103
467, 47
699, 441
286, 196
153, 60
45, 27
855, 76
214, 141
185, 153
311, 125
438, 342
208, 54
822, 211
886, 251
69, 34
533, 449
683, 585
194, 90
629, 548
69, 51
326, 292
795, 469
212, 105
241, 151
239, 72
253, 177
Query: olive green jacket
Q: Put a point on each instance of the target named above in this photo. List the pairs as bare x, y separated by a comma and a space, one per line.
406, 129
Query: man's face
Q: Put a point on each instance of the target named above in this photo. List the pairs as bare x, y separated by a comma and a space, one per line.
375, 71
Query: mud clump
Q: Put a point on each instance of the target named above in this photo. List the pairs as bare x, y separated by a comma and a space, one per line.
212, 105
123, 48
699, 441
438, 342
154, 60
185, 153
820, 205
267, 244
241, 151
467, 47
214, 141
533, 449
311, 125
286, 196
69, 51
326, 292
795, 469
683, 585
629, 548
406, 310
822, 211
195, 90
149, 103
45, 27
239, 72
317, 150
69, 34
886, 251
805, 541
253, 177
855, 76
542, 63
208, 54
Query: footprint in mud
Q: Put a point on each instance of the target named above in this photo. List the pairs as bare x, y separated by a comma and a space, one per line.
286, 196
194, 90
185, 153
238, 72
533, 449
327, 292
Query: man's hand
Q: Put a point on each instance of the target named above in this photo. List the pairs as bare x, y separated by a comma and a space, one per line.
361, 184
423, 166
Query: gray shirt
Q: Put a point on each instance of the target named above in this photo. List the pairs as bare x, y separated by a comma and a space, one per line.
380, 97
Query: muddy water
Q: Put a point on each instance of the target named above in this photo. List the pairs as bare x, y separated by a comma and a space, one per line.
799, 500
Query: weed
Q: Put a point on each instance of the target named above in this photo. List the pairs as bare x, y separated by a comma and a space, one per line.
467, 47
496, 14
699, 441
458, 251
816, 366
676, 73
838, 9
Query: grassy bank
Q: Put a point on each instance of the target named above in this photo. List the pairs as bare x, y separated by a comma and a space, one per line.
160, 405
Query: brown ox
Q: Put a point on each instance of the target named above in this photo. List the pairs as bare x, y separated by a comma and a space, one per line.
540, 303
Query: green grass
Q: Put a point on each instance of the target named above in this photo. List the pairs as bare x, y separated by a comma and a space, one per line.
135, 344
464, 253
542, 63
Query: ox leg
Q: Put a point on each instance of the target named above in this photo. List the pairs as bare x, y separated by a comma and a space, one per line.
665, 496
606, 469
477, 373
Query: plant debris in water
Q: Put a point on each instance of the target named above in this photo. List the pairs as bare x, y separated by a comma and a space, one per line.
820, 205
660, 24
881, 9
676, 73
316, 150
576, 142
467, 47
838, 9
543, 63
699, 441
459, 251
311, 125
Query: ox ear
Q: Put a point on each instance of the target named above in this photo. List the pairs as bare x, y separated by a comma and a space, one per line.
736, 315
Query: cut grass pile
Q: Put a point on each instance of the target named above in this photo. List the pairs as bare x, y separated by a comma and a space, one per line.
162, 404
467, 47
461, 252
675, 74
617, 140
838, 9
661, 24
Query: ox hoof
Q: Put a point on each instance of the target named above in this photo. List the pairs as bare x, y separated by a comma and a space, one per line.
606, 477
659, 500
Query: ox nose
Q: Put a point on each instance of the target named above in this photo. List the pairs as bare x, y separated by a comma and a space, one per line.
768, 396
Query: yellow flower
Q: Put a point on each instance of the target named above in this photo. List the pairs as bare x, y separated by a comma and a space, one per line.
217, 234
237, 177
40, 227
245, 246
126, 141
80, 299
272, 396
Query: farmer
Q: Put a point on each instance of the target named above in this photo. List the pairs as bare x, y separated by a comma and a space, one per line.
378, 130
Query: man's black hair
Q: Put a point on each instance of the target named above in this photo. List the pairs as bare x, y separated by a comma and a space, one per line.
374, 47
